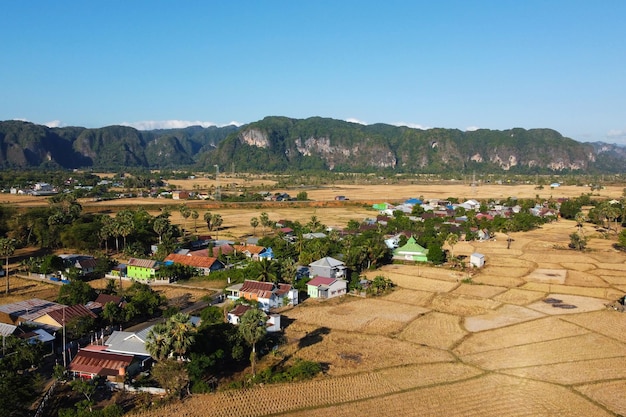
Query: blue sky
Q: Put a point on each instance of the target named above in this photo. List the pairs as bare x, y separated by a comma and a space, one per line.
452, 64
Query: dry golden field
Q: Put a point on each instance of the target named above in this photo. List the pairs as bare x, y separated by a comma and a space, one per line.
448, 342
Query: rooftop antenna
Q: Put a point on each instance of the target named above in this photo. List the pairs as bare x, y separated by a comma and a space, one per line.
217, 182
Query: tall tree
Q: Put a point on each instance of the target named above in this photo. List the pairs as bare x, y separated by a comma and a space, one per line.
185, 212
160, 226
254, 222
252, 329
194, 216
264, 218
7, 248
452, 239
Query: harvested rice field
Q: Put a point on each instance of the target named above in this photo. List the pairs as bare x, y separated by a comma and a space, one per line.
528, 335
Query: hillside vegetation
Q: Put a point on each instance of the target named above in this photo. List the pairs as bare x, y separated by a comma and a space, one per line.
281, 144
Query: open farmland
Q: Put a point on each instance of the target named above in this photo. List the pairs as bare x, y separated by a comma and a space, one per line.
440, 343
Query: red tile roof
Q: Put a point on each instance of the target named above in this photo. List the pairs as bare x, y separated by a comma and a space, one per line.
99, 363
142, 263
251, 249
240, 310
317, 281
194, 261
70, 313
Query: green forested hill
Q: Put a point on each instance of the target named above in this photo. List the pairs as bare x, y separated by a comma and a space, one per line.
284, 144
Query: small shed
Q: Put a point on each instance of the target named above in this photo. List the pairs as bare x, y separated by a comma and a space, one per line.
477, 260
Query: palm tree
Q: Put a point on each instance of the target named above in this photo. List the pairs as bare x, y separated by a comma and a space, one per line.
106, 231
265, 221
254, 222
158, 343
160, 226
452, 239
252, 329
208, 218
267, 270
7, 248
217, 223
181, 334
185, 212
194, 216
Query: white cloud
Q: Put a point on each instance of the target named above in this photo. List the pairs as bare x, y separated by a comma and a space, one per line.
411, 125
54, 123
354, 120
471, 128
170, 124
616, 134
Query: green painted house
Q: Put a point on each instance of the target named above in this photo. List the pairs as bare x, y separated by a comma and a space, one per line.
141, 269
411, 251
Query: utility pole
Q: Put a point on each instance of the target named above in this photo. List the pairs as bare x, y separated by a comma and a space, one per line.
64, 360
217, 183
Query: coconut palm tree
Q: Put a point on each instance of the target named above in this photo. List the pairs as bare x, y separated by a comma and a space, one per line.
452, 239
7, 248
252, 329
254, 222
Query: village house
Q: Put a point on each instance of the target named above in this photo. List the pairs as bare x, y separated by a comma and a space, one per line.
411, 251
324, 287
204, 265
95, 361
327, 267
250, 251
234, 317
142, 269
267, 294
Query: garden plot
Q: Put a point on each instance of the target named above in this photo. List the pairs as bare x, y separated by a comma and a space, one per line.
540, 330
605, 293
497, 280
549, 276
558, 257
420, 283
607, 322
462, 305
519, 297
610, 394
504, 316
356, 315
509, 272
575, 372
413, 297
482, 291
434, 329
488, 396
576, 266
567, 304
584, 279
614, 280
346, 353
576, 348
412, 376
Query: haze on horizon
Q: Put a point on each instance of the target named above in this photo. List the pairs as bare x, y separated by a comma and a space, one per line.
450, 64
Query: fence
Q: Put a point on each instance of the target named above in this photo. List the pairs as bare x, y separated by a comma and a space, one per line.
42, 405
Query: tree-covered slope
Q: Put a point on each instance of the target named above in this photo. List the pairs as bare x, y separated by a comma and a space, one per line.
278, 144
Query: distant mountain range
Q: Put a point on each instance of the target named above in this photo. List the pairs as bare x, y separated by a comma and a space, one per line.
280, 144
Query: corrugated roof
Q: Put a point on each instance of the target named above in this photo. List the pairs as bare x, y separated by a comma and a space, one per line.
7, 329
327, 261
240, 310
142, 263
194, 261
70, 313
323, 281
29, 309
251, 249
129, 342
99, 363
